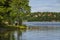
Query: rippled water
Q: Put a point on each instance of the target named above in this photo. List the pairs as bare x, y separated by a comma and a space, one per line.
42, 24
41, 35
32, 34
36, 34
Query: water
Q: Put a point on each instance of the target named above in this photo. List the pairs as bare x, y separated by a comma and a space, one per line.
41, 35
32, 33
42, 24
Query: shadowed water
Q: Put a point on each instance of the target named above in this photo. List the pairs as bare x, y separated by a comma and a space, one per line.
31, 34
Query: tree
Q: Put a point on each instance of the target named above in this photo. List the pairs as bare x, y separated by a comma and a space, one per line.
11, 10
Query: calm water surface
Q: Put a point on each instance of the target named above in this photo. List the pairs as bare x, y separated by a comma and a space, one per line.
41, 35
54, 24
32, 34
36, 31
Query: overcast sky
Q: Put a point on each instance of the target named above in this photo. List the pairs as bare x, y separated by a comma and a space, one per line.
45, 5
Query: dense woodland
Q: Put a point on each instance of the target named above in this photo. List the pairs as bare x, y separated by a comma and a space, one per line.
44, 16
13, 10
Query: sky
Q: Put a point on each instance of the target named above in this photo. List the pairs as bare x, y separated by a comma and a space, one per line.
45, 5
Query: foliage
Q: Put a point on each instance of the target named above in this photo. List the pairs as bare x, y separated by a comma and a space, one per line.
11, 10
44, 16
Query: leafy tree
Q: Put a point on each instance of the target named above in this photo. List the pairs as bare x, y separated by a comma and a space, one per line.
11, 10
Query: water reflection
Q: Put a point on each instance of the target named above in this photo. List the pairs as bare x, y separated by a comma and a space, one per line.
33, 33
10, 35
18, 35
7, 35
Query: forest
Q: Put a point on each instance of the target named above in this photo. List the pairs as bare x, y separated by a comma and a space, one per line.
44, 16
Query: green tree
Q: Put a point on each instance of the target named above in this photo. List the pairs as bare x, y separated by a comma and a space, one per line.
11, 10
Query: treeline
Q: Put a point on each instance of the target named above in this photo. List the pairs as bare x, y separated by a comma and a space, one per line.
44, 16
